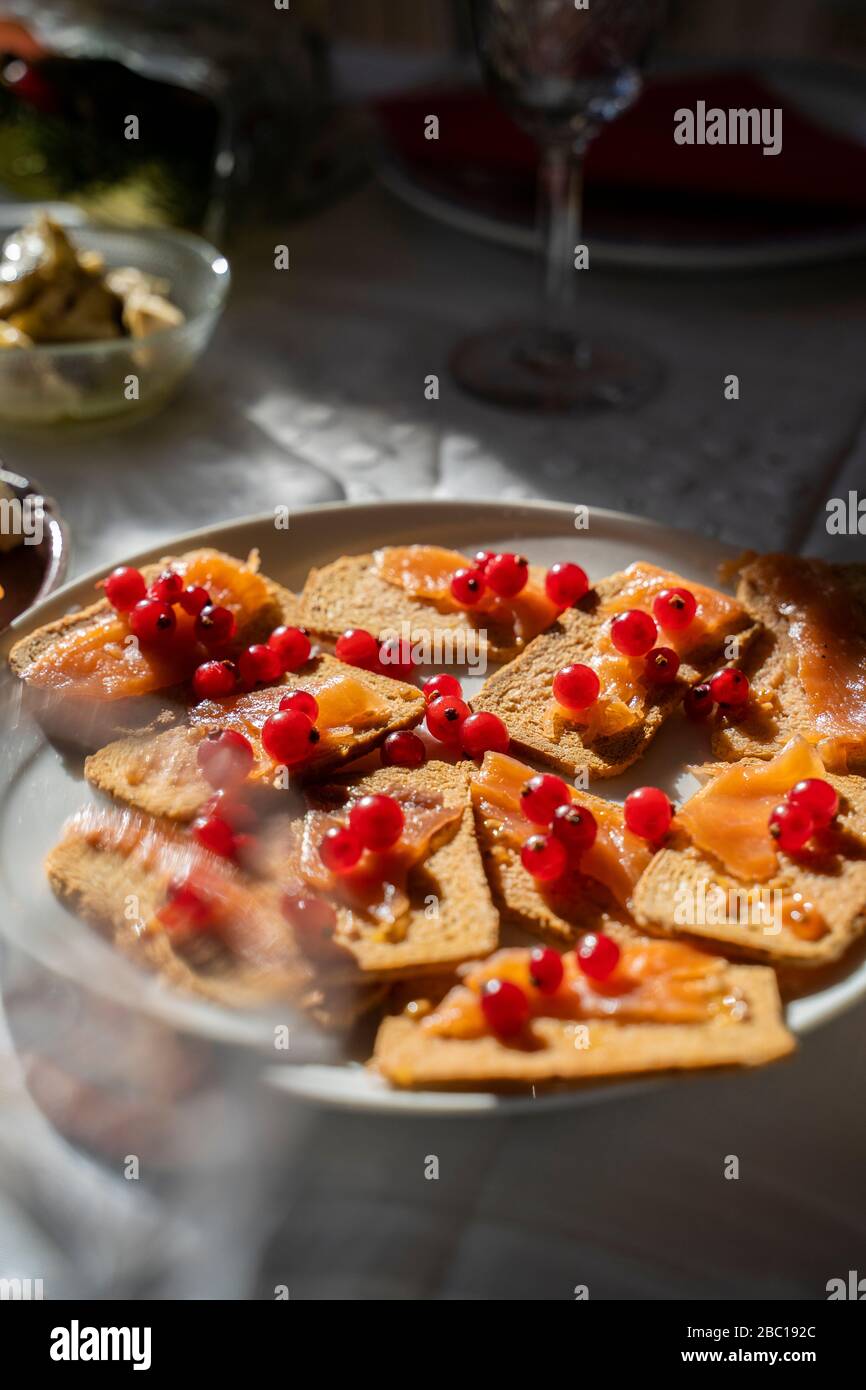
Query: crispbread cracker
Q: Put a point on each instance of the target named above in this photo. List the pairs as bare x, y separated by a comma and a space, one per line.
349, 593
766, 727
834, 883
408, 1057
98, 882
521, 692
562, 912
159, 773
452, 917
91, 722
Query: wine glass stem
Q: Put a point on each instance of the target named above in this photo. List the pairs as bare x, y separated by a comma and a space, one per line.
560, 197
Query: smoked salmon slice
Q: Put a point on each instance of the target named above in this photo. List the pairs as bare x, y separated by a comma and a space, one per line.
729, 817
377, 888
424, 572
653, 982
100, 660
826, 625
616, 859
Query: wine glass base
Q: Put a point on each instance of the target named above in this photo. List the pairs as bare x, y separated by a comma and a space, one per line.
526, 367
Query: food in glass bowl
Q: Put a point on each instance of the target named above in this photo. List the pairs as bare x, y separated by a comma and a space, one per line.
99, 322
52, 293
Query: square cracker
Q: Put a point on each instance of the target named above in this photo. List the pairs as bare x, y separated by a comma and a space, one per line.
521, 692
158, 772
349, 593
108, 855
566, 910
409, 1058
779, 710
466, 923
835, 882
90, 722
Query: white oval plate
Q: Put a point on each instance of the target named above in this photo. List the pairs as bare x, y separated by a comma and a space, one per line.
39, 789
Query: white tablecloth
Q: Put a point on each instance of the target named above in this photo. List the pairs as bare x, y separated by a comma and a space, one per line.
314, 390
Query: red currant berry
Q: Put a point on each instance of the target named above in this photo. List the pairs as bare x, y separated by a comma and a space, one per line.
483, 733
395, 660
817, 797
507, 574
167, 587
404, 749
151, 619
661, 666
215, 625
505, 1007
576, 686
442, 684
444, 718
648, 813
313, 920
597, 955
302, 701
228, 807
674, 609
259, 664
186, 905
730, 687
698, 702
481, 559
544, 857
193, 600
214, 679
124, 588
289, 736
575, 827
377, 821
545, 969
565, 584
357, 647
225, 758
292, 646
540, 797
214, 834
467, 587
791, 826
633, 633
340, 849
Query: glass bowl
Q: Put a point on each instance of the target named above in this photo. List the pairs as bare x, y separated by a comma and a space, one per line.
58, 383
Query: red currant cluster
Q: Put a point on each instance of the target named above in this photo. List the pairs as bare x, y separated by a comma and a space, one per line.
225, 760
290, 735
634, 634
728, 688
809, 806
504, 575
357, 647
507, 1008
150, 612
375, 823
451, 722
571, 829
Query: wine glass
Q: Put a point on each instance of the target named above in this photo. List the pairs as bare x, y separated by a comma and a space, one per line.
562, 71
